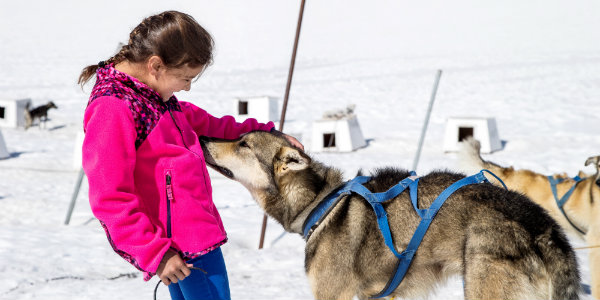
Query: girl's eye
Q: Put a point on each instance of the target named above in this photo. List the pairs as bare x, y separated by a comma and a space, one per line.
244, 144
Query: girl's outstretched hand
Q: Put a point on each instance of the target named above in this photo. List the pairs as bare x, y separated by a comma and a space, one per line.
172, 268
294, 141
290, 139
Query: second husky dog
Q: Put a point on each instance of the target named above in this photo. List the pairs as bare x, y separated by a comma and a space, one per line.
582, 208
502, 244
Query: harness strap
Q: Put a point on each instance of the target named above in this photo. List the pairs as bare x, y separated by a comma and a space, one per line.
319, 213
497, 178
408, 254
561, 202
375, 200
413, 188
355, 185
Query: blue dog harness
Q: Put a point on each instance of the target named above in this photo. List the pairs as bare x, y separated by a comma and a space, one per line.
376, 199
561, 202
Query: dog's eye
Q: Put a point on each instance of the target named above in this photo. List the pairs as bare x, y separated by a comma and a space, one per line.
244, 144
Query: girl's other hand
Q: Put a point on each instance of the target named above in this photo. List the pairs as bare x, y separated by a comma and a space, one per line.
290, 139
294, 141
172, 268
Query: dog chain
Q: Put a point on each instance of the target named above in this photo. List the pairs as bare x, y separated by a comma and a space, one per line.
157, 284
588, 247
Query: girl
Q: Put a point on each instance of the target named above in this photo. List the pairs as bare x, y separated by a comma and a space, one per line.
148, 182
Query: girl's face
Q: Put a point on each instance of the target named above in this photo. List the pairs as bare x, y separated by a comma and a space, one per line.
171, 80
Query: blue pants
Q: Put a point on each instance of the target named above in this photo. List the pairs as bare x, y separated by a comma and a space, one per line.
199, 286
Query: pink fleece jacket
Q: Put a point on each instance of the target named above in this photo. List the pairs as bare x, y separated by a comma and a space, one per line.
148, 182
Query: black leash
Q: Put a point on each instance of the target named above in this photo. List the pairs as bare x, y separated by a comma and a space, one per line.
156, 287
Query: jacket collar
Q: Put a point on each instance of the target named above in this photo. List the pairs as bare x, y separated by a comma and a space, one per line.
108, 72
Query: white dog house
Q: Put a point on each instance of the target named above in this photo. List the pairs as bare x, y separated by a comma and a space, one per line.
12, 112
482, 129
263, 109
337, 131
3, 151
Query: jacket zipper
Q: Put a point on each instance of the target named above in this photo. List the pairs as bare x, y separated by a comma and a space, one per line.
169, 189
181, 134
206, 185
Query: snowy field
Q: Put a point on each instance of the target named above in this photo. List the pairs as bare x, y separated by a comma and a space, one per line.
532, 65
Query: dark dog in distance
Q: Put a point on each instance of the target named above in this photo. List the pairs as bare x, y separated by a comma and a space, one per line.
40, 113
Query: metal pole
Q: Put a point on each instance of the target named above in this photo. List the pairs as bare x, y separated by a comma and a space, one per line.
431, 100
285, 102
74, 196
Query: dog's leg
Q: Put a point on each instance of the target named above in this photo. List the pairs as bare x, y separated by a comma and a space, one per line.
495, 270
43, 120
593, 239
329, 284
331, 289
483, 277
488, 277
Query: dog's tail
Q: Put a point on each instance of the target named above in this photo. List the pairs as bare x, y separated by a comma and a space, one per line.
470, 161
469, 157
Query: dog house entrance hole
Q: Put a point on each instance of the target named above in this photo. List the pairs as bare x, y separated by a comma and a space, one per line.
243, 108
2, 112
328, 140
464, 132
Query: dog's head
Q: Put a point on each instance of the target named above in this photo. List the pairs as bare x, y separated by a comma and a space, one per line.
595, 160
256, 159
51, 105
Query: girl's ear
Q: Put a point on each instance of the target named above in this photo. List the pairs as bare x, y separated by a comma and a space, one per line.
154, 64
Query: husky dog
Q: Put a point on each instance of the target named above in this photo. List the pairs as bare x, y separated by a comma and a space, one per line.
582, 208
502, 244
40, 113
339, 114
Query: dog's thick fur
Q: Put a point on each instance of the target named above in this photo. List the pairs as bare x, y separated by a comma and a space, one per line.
503, 245
40, 113
582, 208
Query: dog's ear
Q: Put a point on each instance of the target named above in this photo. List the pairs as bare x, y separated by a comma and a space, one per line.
594, 160
291, 159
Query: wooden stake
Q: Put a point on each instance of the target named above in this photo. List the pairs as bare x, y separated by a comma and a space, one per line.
285, 102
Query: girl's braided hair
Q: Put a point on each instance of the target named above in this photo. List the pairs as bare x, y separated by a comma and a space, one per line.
173, 36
